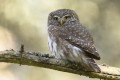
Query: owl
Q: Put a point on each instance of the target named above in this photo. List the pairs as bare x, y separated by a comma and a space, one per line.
69, 40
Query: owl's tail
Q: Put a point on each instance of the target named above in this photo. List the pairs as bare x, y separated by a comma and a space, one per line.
93, 65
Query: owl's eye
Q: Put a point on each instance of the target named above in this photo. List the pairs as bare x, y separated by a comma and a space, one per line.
67, 17
55, 18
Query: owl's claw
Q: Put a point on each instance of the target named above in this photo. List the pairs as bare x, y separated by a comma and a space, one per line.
48, 56
45, 55
51, 56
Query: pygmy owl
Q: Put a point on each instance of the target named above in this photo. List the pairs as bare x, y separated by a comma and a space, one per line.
68, 39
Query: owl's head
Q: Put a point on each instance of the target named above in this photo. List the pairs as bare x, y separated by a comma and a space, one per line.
62, 16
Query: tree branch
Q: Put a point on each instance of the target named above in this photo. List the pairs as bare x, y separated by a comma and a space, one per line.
43, 60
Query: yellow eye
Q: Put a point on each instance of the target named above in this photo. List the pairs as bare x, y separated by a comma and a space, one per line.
67, 17
55, 18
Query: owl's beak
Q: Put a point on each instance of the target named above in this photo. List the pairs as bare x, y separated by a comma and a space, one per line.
61, 21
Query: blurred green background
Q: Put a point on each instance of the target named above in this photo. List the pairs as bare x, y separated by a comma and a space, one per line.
25, 22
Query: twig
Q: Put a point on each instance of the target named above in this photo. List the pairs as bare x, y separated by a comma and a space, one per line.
22, 52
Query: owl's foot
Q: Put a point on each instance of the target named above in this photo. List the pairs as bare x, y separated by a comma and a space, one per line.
45, 55
48, 55
51, 56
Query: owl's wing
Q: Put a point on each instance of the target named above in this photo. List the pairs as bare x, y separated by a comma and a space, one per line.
81, 38
85, 46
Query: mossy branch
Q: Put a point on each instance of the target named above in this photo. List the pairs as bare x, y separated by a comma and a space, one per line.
44, 60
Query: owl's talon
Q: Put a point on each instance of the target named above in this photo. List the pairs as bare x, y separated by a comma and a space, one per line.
48, 56
51, 56
45, 55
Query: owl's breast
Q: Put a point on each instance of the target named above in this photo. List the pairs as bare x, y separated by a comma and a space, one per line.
61, 49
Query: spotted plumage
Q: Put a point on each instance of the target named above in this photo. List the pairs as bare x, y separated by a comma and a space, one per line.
70, 40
